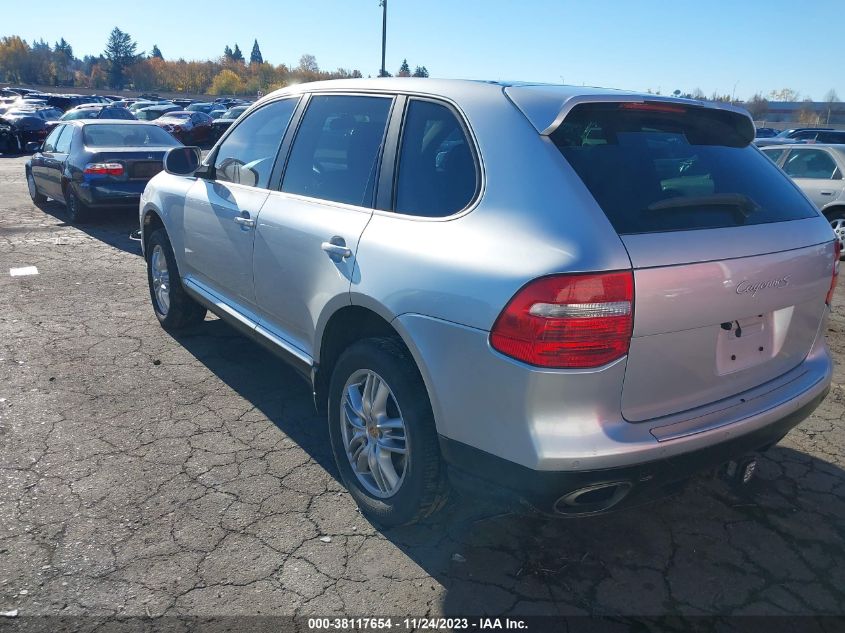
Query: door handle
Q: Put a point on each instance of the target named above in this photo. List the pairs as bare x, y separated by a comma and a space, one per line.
336, 248
826, 193
244, 220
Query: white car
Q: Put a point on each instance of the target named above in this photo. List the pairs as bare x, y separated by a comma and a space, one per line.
817, 170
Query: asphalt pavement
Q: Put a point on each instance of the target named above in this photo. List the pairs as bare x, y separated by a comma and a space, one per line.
146, 475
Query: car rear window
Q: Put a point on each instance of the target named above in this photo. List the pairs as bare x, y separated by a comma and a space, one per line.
666, 167
118, 135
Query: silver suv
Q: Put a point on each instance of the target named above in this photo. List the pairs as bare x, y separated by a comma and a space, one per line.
574, 296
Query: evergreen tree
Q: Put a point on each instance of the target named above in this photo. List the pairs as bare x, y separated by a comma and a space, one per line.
420, 71
255, 56
237, 55
64, 50
227, 53
120, 53
404, 69
156, 52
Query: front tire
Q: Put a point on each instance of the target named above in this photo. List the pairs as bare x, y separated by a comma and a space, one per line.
173, 308
383, 434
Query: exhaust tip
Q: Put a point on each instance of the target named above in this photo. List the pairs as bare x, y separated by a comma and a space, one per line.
592, 499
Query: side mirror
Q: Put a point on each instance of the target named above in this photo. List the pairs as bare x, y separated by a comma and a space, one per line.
182, 161
33, 147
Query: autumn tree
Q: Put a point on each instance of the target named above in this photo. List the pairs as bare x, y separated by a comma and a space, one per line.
757, 106
308, 64
226, 82
14, 56
784, 94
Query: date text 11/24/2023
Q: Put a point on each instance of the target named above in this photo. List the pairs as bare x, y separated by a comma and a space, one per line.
415, 624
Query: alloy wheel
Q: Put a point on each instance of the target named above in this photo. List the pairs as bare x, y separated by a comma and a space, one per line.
838, 226
161, 279
374, 434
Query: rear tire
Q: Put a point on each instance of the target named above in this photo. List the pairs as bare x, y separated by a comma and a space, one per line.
837, 223
77, 211
390, 486
37, 197
173, 307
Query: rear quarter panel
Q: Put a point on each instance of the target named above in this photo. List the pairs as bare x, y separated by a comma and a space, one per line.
533, 217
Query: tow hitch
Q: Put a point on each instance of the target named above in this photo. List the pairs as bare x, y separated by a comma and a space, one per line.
740, 472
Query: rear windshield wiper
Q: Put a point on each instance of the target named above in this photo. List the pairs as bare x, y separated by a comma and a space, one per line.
745, 205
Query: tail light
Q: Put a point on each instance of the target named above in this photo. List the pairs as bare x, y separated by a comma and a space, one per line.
103, 169
837, 253
568, 321
652, 107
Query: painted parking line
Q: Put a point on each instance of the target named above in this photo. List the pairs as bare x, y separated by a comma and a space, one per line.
22, 271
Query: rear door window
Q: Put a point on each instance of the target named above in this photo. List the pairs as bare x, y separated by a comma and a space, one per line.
335, 153
655, 168
810, 163
50, 142
63, 144
437, 169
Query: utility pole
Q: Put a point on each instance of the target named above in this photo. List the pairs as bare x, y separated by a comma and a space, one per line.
383, 4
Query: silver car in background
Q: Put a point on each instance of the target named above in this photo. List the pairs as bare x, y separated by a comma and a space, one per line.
818, 170
572, 296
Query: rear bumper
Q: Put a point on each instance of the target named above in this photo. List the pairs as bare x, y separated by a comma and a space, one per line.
481, 473
544, 434
570, 420
111, 194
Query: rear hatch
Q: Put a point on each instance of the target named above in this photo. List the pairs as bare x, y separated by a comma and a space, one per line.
732, 264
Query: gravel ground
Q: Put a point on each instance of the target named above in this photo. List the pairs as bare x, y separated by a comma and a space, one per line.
142, 474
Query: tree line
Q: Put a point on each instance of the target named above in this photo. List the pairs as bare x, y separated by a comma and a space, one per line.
121, 65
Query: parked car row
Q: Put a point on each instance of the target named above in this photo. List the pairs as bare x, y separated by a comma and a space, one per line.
798, 135
29, 116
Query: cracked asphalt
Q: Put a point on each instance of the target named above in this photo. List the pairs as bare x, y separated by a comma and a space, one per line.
146, 475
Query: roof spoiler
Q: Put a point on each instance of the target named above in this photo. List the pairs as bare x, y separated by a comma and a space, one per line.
547, 109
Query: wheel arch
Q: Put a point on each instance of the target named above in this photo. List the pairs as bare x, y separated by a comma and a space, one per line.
150, 221
833, 207
352, 323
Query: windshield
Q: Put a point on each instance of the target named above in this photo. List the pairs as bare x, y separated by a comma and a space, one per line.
670, 168
149, 115
87, 113
234, 113
123, 135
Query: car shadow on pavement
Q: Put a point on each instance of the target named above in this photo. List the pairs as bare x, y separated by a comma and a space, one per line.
774, 547
110, 226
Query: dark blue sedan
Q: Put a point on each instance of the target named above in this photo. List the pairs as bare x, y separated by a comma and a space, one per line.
96, 163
